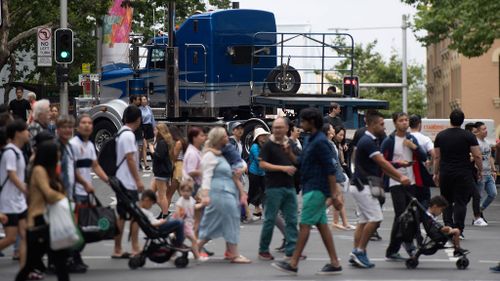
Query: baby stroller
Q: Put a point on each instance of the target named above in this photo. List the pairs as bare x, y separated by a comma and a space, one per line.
434, 240
158, 247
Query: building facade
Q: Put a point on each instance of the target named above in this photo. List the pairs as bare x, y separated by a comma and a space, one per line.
455, 81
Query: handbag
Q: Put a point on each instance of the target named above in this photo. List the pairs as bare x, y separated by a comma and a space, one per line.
62, 229
96, 222
376, 185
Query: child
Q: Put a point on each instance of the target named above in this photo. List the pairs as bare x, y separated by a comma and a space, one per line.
184, 210
233, 157
436, 207
148, 199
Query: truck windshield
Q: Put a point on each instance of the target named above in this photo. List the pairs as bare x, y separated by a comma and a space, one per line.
158, 58
242, 55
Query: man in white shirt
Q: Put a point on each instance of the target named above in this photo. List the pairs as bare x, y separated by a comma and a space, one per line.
402, 150
13, 190
127, 160
86, 160
424, 141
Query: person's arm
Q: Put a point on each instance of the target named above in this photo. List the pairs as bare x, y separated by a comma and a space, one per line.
208, 164
265, 165
437, 161
493, 167
132, 166
191, 166
390, 170
3, 219
86, 185
478, 159
99, 171
40, 179
177, 149
17, 182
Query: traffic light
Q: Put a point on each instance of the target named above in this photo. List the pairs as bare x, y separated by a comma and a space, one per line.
64, 45
350, 86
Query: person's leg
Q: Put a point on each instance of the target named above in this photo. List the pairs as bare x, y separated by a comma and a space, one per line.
171, 189
446, 186
120, 224
274, 197
368, 230
358, 233
145, 152
175, 226
60, 258
476, 200
289, 212
36, 247
10, 236
327, 238
280, 223
301, 244
162, 196
462, 197
491, 191
21, 227
399, 202
134, 237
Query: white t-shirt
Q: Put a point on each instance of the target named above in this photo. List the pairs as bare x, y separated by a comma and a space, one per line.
402, 153
12, 200
188, 206
84, 156
71, 156
125, 145
151, 217
424, 141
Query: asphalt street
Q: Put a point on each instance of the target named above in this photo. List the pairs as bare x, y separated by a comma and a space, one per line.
484, 244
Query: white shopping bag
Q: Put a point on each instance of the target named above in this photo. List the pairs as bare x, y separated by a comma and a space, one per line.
63, 232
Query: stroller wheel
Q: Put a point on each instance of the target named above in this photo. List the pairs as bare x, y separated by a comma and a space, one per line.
462, 263
411, 263
181, 262
136, 262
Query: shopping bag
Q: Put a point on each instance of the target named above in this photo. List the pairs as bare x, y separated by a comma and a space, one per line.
95, 221
63, 231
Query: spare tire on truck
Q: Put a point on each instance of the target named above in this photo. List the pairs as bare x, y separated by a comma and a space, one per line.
247, 138
103, 131
283, 79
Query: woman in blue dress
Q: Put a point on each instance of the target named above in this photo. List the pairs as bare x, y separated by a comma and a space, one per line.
220, 195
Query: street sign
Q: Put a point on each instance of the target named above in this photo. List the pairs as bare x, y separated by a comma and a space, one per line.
44, 46
85, 68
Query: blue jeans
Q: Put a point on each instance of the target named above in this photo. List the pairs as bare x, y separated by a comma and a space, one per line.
175, 226
487, 185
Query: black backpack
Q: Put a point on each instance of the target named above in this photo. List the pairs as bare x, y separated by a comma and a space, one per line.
1, 154
107, 155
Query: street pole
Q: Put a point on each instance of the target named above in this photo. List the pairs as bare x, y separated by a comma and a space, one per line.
404, 67
172, 66
63, 90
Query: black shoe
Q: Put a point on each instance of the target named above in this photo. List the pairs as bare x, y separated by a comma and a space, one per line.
460, 252
207, 252
375, 237
281, 248
329, 269
77, 268
285, 267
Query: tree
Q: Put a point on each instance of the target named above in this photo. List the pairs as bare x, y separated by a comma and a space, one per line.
21, 21
471, 25
371, 67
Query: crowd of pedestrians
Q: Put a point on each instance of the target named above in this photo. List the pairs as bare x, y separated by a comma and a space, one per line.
302, 165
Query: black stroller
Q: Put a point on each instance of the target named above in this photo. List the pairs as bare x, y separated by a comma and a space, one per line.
158, 247
409, 231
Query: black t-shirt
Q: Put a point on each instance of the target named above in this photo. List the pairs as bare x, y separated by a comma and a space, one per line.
334, 121
19, 108
273, 153
454, 145
367, 148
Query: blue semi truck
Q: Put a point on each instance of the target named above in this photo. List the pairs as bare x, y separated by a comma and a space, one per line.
232, 65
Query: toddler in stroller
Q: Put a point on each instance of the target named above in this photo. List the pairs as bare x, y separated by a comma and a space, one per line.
159, 247
437, 235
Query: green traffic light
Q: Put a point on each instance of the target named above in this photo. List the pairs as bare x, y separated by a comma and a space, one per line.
64, 54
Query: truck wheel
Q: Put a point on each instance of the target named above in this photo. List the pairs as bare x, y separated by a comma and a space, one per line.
103, 130
279, 82
247, 137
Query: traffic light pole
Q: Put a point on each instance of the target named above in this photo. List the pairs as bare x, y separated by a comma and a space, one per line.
63, 90
404, 66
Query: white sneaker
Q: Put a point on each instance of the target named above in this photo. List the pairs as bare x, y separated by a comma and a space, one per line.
479, 222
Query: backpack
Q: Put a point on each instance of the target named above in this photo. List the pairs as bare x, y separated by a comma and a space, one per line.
107, 156
1, 154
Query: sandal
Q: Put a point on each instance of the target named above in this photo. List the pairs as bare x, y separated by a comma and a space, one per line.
35, 276
339, 226
241, 260
122, 256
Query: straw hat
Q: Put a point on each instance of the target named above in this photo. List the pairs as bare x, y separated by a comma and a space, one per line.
259, 132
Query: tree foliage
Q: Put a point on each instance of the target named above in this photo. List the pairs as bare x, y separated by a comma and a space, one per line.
371, 67
471, 25
22, 18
